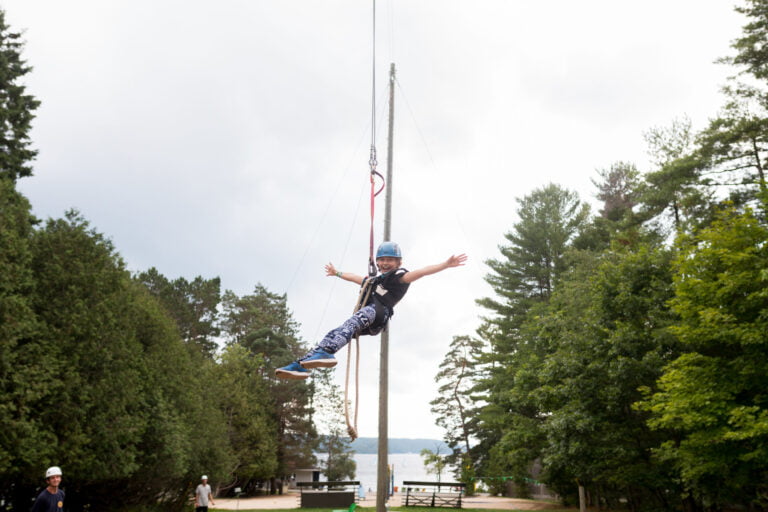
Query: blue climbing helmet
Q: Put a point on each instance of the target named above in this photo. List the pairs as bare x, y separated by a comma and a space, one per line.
389, 250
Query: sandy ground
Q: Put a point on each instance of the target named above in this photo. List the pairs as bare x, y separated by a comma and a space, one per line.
292, 501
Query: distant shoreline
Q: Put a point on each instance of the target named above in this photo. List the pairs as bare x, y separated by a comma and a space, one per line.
400, 445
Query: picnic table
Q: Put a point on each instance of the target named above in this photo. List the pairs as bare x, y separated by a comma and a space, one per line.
433, 494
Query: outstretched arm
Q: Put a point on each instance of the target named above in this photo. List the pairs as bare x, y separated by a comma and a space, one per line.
330, 270
453, 261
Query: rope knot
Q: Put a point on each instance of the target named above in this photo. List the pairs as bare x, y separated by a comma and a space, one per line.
372, 161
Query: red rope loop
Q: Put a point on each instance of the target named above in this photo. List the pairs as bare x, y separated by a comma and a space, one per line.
372, 270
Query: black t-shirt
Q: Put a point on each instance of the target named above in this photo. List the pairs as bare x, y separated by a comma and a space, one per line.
389, 289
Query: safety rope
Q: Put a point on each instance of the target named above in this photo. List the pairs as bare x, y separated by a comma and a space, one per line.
372, 271
365, 289
372, 161
362, 299
352, 427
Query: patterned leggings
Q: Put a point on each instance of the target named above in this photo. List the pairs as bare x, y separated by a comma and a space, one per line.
359, 323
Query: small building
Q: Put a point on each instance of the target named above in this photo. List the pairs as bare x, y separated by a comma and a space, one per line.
304, 475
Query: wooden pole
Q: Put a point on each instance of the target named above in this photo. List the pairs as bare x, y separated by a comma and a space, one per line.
382, 480
390, 146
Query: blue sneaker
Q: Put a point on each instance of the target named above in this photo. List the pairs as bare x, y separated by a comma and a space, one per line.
319, 359
292, 371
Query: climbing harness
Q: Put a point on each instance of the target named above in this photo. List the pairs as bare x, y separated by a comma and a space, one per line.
368, 284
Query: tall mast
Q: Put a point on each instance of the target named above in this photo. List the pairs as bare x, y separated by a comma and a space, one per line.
382, 481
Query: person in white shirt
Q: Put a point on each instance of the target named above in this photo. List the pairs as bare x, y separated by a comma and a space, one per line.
203, 495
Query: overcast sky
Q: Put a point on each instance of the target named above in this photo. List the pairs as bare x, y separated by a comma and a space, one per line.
231, 138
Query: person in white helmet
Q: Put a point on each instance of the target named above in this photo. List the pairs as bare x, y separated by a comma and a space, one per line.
203, 495
50, 499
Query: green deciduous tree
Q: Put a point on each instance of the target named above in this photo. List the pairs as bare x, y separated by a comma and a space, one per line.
92, 407
605, 330
186, 432
243, 397
338, 457
122, 404
434, 462
262, 323
712, 398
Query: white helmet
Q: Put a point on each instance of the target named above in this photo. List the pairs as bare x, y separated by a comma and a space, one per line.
52, 471
204, 477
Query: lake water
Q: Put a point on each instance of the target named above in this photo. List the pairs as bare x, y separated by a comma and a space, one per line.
407, 466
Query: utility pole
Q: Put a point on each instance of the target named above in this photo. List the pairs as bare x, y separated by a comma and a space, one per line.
382, 480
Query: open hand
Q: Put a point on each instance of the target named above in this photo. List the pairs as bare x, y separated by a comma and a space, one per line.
330, 270
456, 261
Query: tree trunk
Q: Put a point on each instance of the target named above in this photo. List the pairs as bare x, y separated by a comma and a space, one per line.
582, 499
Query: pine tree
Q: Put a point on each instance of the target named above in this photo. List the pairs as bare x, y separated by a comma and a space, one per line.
22, 437
192, 304
550, 217
262, 323
454, 407
16, 107
509, 424
21, 385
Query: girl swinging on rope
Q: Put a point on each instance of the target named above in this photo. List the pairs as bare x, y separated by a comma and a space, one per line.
388, 287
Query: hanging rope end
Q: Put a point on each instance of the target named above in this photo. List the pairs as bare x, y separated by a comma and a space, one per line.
352, 433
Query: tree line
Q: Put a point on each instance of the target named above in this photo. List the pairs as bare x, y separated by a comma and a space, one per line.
135, 384
624, 353
115, 376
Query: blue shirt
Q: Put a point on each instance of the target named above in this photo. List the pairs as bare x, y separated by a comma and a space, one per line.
47, 502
